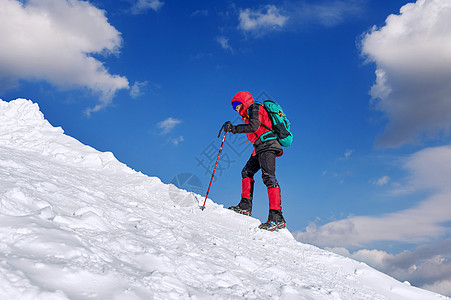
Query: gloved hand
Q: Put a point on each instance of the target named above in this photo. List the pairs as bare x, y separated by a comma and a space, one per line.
228, 127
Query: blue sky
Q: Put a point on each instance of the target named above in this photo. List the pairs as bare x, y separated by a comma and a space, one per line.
363, 82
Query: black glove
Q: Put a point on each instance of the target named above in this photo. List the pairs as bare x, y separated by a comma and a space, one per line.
228, 127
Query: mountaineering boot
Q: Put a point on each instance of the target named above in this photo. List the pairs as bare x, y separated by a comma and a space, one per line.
244, 207
275, 221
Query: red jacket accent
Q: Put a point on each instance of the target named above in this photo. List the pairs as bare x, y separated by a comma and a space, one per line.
246, 99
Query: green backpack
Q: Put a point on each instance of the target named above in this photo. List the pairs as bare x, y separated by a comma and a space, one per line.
280, 124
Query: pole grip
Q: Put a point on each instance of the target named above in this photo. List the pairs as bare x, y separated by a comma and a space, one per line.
220, 130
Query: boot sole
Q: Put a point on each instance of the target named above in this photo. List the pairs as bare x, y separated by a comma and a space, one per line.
281, 226
246, 213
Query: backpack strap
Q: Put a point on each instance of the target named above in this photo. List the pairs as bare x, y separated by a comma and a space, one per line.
264, 137
266, 127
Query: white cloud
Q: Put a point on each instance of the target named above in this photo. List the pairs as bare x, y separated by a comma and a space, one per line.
442, 287
142, 6
136, 89
224, 42
167, 125
260, 20
412, 53
430, 169
347, 154
381, 181
295, 15
327, 13
52, 40
176, 141
428, 266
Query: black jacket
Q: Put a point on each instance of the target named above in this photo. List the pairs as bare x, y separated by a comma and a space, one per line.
253, 125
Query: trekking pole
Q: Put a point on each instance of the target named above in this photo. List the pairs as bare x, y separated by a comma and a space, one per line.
213, 174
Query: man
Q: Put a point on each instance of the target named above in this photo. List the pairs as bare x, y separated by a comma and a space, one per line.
256, 124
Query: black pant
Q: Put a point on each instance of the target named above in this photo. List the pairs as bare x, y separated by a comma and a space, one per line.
266, 161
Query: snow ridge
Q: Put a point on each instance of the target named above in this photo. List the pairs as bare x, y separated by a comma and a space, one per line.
75, 223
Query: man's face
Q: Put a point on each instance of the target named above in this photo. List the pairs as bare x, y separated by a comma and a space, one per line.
238, 107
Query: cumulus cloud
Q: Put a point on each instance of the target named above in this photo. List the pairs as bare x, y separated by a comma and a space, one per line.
429, 169
442, 287
412, 53
142, 6
53, 40
168, 125
428, 266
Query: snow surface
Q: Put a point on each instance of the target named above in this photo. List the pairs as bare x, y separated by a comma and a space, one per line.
77, 224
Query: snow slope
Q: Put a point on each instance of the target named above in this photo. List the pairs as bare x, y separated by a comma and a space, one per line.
75, 224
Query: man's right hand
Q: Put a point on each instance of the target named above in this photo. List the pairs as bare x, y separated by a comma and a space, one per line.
228, 127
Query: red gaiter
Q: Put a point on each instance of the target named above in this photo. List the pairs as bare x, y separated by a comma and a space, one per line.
247, 188
274, 197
